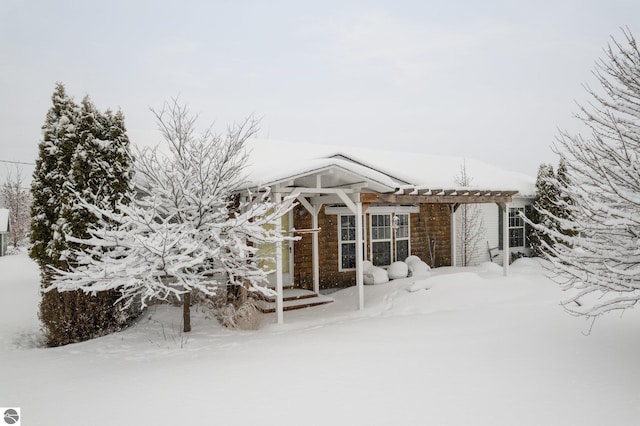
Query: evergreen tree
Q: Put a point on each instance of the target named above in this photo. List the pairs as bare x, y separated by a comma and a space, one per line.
83, 155
564, 203
49, 176
546, 197
550, 206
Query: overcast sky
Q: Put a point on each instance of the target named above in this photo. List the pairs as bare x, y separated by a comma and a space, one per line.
491, 80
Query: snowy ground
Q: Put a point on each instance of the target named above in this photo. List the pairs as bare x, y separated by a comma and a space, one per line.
475, 349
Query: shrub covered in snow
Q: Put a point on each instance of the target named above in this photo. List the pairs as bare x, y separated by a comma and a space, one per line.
416, 266
240, 314
373, 274
398, 270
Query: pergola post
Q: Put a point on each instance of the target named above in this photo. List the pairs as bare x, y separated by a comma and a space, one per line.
454, 248
279, 285
315, 251
359, 261
506, 253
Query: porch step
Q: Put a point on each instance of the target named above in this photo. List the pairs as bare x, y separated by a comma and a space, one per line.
294, 298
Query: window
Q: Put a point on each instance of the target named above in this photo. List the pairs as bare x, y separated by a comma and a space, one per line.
389, 235
402, 236
516, 227
381, 239
389, 238
347, 242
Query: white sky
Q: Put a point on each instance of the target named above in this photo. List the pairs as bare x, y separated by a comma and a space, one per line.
491, 80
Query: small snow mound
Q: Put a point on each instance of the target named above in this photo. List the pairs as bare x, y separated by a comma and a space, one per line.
489, 267
374, 275
526, 262
419, 268
424, 284
398, 270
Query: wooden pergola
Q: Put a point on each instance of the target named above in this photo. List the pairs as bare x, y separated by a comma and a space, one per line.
454, 198
335, 185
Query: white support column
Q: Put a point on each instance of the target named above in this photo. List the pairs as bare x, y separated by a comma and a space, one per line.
316, 250
454, 248
506, 253
279, 286
359, 262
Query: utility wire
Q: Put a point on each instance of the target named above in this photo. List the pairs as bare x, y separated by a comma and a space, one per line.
17, 162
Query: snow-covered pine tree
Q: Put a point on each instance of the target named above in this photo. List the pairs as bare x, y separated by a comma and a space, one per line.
101, 168
597, 261
49, 176
546, 196
77, 160
563, 182
187, 229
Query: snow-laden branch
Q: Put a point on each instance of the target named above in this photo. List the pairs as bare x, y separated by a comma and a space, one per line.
595, 250
186, 229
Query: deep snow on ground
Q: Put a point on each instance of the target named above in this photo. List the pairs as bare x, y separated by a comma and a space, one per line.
477, 348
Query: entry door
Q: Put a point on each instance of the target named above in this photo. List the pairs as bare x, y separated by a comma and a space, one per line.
267, 254
287, 251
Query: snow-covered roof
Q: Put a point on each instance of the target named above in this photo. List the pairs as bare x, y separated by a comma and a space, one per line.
4, 220
272, 162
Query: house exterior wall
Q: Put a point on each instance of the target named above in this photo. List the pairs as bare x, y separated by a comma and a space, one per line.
490, 238
432, 223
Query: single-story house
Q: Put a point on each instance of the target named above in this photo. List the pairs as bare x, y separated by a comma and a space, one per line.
361, 204
5, 228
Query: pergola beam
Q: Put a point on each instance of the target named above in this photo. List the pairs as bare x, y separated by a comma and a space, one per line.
502, 197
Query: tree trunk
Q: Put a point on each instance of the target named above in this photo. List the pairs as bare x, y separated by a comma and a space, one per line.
186, 312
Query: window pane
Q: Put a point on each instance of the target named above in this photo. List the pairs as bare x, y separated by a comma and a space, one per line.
349, 235
514, 217
374, 233
516, 237
348, 260
381, 253
380, 227
402, 249
347, 228
403, 226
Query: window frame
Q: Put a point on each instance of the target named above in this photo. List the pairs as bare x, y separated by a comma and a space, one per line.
407, 238
519, 226
388, 240
391, 210
342, 242
393, 236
